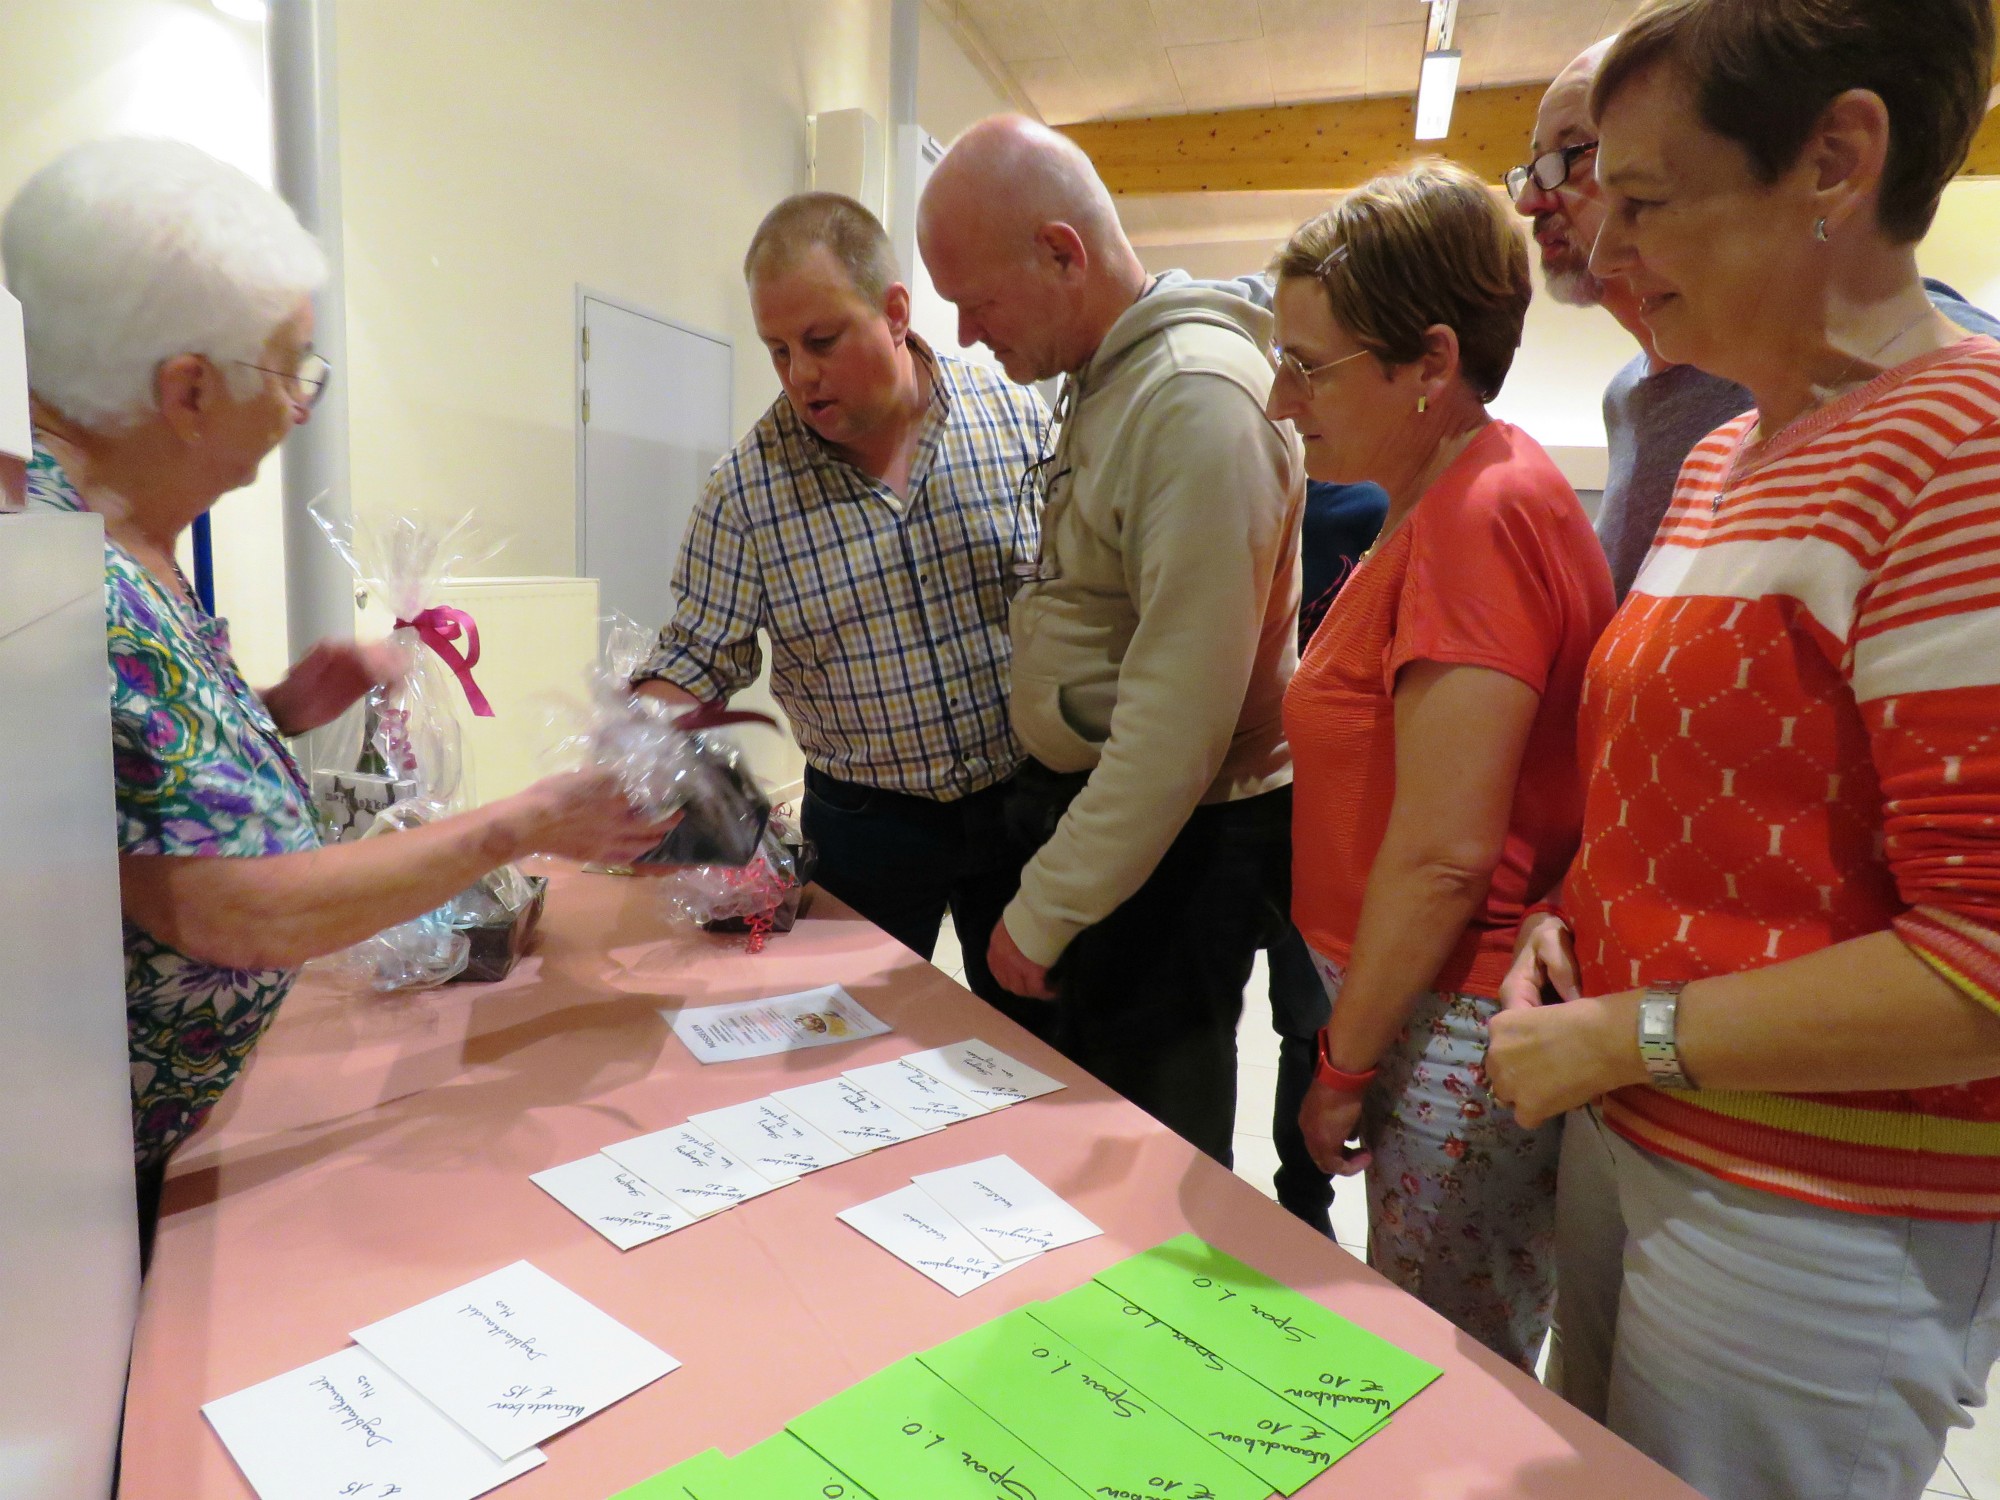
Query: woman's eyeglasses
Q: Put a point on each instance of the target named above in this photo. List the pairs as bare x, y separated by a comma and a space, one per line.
1288, 363
1548, 171
304, 385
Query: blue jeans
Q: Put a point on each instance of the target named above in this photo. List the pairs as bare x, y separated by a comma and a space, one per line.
902, 861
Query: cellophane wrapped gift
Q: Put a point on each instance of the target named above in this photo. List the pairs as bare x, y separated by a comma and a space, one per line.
671, 760
415, 955
411, 730
759, 897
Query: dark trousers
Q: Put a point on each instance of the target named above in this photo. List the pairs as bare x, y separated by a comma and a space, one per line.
1149, 998
1299, 1008
902, 861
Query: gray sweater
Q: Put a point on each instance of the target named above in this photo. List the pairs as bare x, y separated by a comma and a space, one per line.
1651, 422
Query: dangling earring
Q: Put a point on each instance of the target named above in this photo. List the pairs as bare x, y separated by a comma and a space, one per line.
1423, 405
1819, 232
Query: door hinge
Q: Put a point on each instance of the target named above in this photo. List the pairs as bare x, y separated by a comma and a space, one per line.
586, 346
586, 405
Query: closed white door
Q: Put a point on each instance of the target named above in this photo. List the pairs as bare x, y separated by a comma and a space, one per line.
654, 419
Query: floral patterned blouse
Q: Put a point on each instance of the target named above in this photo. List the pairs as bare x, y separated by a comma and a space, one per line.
201, 770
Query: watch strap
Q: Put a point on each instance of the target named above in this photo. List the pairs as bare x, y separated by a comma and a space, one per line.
1659, 1036
1339, 1079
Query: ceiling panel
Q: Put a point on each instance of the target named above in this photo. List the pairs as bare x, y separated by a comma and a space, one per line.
1105, 59
1223, 75
1190, 23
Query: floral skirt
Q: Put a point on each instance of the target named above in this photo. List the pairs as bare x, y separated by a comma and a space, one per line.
1461, 1199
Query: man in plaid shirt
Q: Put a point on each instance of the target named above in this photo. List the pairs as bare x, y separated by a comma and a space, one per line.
869, 524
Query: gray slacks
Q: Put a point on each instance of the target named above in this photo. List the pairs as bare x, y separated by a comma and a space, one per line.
1760, 1347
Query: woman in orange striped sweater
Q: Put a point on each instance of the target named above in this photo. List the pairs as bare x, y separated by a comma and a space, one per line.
1777, 1221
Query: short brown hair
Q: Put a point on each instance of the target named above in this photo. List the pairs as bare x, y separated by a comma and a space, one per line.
1413, 248
806, 221
1764, 71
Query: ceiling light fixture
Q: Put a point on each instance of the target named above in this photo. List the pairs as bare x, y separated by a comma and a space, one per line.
1437, 84
241, 10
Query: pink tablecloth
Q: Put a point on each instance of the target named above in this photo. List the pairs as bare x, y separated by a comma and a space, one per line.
378, 1153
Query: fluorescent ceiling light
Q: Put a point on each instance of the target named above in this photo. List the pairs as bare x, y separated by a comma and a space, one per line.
1435, 92
242, 10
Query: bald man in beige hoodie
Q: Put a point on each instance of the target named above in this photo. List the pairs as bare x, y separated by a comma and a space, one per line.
1154, 633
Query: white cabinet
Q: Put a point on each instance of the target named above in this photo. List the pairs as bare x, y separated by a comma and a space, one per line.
69, 1259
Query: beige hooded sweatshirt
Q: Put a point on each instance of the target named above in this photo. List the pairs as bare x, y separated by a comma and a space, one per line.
1154, 649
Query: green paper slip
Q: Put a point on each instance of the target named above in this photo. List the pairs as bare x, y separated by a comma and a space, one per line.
1324, 1365
1085, 1419
1260, 1430
908, 1436
780, 1468
684, 1481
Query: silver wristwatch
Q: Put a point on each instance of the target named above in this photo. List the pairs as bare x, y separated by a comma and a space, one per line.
1658, 1045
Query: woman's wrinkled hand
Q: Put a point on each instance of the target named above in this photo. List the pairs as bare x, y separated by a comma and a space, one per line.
1544, 955
586, 815
1545, 1060
1329, 1120
328, 679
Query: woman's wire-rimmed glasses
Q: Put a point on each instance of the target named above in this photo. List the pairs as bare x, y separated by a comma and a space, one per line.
1548, 171
1290, 364
304, 385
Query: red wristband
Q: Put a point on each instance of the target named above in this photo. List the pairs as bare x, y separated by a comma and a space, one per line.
1338, 1079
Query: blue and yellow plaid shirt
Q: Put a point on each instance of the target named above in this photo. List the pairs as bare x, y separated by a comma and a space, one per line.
887, 617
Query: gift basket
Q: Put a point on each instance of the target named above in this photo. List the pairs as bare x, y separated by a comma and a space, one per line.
408, 767
733, 867
759, 897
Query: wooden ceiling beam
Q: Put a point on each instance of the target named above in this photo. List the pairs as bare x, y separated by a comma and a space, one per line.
1314, 147
1332, 147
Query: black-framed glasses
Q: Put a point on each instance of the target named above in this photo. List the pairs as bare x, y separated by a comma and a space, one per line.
304, 385
1548, 171
1027, 553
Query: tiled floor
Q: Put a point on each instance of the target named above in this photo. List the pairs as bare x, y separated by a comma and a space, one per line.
1971, 1470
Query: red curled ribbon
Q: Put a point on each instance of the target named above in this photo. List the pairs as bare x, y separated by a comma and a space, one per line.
437, 627
714, 716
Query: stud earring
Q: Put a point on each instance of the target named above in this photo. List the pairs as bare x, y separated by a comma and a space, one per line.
1819, 232
1423, 404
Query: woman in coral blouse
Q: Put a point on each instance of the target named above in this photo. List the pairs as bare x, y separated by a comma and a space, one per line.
1432, 725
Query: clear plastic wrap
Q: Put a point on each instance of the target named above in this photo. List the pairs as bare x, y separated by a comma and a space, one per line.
416, 955
669, 760
411, 731
759, 897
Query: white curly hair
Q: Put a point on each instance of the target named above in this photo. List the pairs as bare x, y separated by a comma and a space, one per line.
126, 253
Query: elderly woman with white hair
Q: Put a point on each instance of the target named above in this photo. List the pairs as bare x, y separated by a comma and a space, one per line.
168, 306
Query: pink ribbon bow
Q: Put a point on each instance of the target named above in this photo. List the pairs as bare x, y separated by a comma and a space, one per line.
437, 627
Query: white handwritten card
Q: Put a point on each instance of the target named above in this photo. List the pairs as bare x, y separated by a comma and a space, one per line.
772, 1139
913, 1227
515, 1357
689, 1167
911, 1091
615, 1201
844, 1110
346, 1426
984, 1073
1007, 1210
783, 1023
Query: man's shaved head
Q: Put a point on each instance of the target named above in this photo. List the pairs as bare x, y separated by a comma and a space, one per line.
1020, 233
1014, 174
